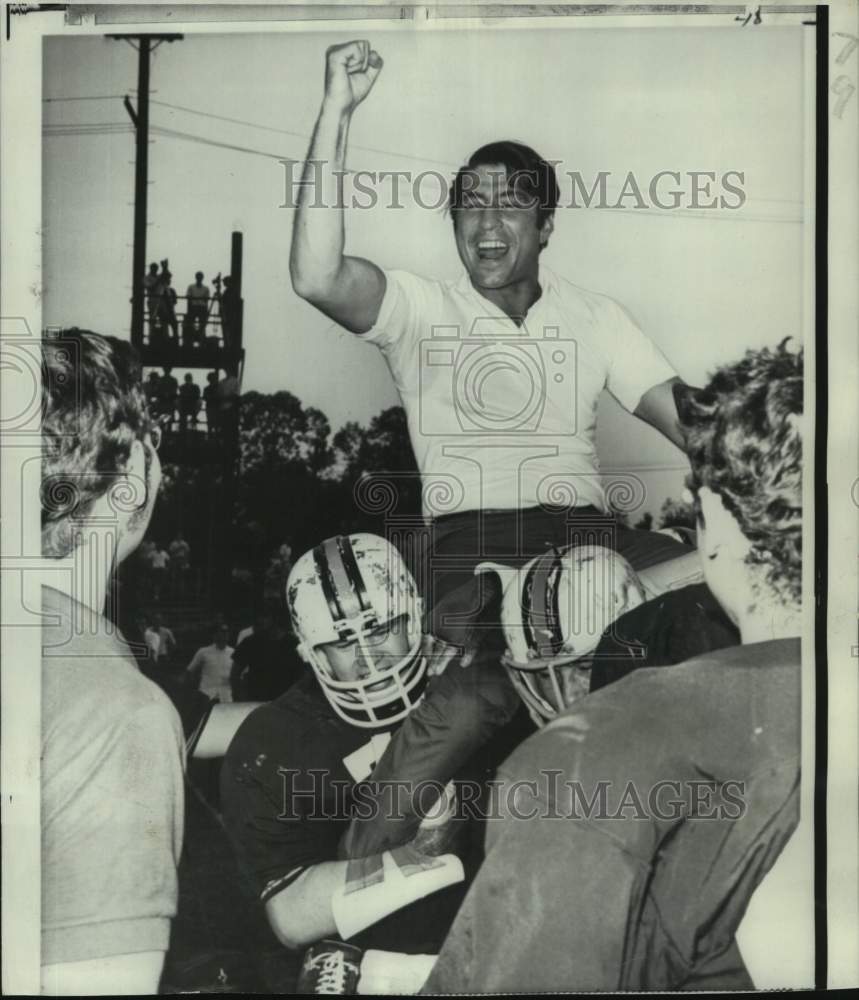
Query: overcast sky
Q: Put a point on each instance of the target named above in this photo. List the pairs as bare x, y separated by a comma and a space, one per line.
703, 284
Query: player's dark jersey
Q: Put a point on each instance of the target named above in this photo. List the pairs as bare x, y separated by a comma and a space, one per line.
287, 785
290, 780
672, 628
658, 804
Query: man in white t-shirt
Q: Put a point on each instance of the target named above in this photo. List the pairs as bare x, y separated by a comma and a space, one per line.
500, 373
213, 664
160, 639
197, 315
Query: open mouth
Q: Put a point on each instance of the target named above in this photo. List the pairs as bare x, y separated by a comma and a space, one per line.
491, 249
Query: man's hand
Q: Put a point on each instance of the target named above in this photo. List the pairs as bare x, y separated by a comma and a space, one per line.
438, 828
350, 72
440, 653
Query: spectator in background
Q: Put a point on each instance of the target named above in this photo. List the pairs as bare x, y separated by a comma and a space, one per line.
228, 404
142, 561
197, 313
212, 665
168, 396
284, 554
150, 637
153, 394
189, 403
230, 306
180, 554
265, 663
273, 583
210, 400
152, 291
160, 640
167, 301
158, 562
277, 573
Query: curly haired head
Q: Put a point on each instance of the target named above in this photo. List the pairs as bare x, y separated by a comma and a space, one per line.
743, 435
93, 410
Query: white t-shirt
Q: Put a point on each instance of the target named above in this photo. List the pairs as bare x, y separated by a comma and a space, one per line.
215, 665
158, 559
153, 641
502, 416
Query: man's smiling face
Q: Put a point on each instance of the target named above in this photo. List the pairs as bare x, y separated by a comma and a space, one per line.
496, 229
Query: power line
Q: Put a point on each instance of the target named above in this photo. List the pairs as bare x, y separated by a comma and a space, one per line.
116, 128
298, 135
203, 140
85, 125
55, 130
258, 125
105, 97
226, 118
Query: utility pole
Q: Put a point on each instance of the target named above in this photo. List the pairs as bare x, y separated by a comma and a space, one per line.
140, 120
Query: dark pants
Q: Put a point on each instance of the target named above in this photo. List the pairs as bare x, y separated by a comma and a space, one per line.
465, 707
194, 327
460, 603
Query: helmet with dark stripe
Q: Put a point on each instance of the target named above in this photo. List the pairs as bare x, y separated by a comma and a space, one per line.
357, 614
554, 611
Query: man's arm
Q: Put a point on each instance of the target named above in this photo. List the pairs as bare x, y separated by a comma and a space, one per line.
469, 701
221, 726
346, 897
347, 289
301, 913
657, 408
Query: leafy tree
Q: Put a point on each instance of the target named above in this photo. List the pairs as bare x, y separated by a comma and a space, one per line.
275, 429
382, 451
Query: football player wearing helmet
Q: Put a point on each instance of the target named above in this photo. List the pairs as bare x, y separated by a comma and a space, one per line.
579, 618
382, 699
357, 614
664, 799
554, 611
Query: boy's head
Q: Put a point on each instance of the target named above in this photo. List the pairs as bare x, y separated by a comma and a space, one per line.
97, 440
743, 436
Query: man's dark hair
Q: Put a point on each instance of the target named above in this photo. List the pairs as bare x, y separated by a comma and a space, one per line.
93, 410
744, 441
528, 174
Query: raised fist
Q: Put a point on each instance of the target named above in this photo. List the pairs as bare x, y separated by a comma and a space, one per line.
350, 72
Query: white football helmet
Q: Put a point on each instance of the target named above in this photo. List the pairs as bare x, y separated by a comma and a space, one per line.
347, 590
554, 611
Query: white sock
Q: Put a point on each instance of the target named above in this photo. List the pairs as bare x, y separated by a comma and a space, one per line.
388, 972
